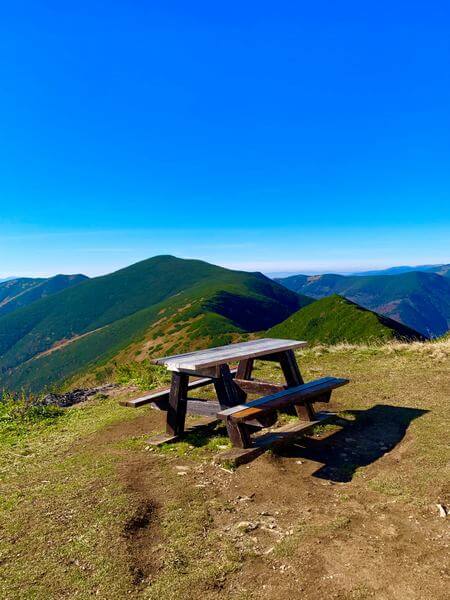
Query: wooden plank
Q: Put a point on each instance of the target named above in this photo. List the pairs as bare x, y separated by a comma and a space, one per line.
162, 395
291, 430
239, 434
282, 435
293, 377
245, 368
162, 438
259, 387
238, 456
176, 409
275, 401
295, 390
290, 369
227, 391
202, 407
165, 438
225, 354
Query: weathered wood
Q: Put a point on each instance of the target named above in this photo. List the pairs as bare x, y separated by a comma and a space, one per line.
282, 435
239, 434
245, 368
160, 397
162, 438
298, 394
290, 369
199, 425
293, 377
176, 409
202, 407
238, 456
228, 393
259, 387
194, 361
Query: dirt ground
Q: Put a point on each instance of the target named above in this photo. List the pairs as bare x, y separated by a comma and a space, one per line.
306, 529
350, 512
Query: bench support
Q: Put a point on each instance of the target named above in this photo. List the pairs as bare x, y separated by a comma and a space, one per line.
176, 410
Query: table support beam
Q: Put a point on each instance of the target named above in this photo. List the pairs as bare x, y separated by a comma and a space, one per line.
176, 410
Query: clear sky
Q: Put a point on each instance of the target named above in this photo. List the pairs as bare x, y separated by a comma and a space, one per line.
276, 136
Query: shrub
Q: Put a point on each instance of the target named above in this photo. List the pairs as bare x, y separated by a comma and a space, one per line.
144, 374
19, 413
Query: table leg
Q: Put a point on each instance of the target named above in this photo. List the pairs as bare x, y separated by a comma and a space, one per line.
228, 393
176, 411
293, 378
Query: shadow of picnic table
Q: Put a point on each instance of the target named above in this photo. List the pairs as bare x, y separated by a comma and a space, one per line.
365, 437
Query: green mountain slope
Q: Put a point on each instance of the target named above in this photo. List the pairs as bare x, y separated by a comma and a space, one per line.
184, 302
416, 299
335, 319
17, 293
12, 287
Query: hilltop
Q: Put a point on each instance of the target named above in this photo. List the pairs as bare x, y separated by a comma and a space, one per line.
346, 513
335, 319
18, 293
160, 304
417, 299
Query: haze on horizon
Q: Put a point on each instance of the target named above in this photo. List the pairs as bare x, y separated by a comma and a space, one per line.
280, 138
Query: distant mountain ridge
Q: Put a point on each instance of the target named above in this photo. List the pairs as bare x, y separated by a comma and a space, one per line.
160, 304
443, 269
20, 292
420, 300
335, 319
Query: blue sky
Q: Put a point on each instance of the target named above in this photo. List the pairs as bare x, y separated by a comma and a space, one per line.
288, 136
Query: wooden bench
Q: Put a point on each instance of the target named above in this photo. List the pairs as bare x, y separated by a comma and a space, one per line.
301, 396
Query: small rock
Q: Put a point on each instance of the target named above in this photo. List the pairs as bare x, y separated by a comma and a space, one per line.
247, 526
245, 498
442, 510
181, 468
298, 462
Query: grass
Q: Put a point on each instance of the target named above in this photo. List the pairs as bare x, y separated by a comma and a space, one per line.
334, 319
22, 415
73, 483
142, 374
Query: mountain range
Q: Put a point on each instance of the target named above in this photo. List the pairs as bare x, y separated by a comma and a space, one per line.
70, 328
173, 303
20, 292
438, 269
420, 300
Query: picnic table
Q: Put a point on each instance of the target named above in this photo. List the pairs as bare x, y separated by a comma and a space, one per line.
194, 370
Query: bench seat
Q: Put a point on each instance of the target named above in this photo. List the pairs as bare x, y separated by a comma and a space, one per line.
319, 390
160, 398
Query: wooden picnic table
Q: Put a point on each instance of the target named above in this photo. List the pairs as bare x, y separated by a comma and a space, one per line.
232, 386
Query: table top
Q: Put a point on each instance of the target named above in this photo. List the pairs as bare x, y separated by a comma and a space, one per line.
193, 361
